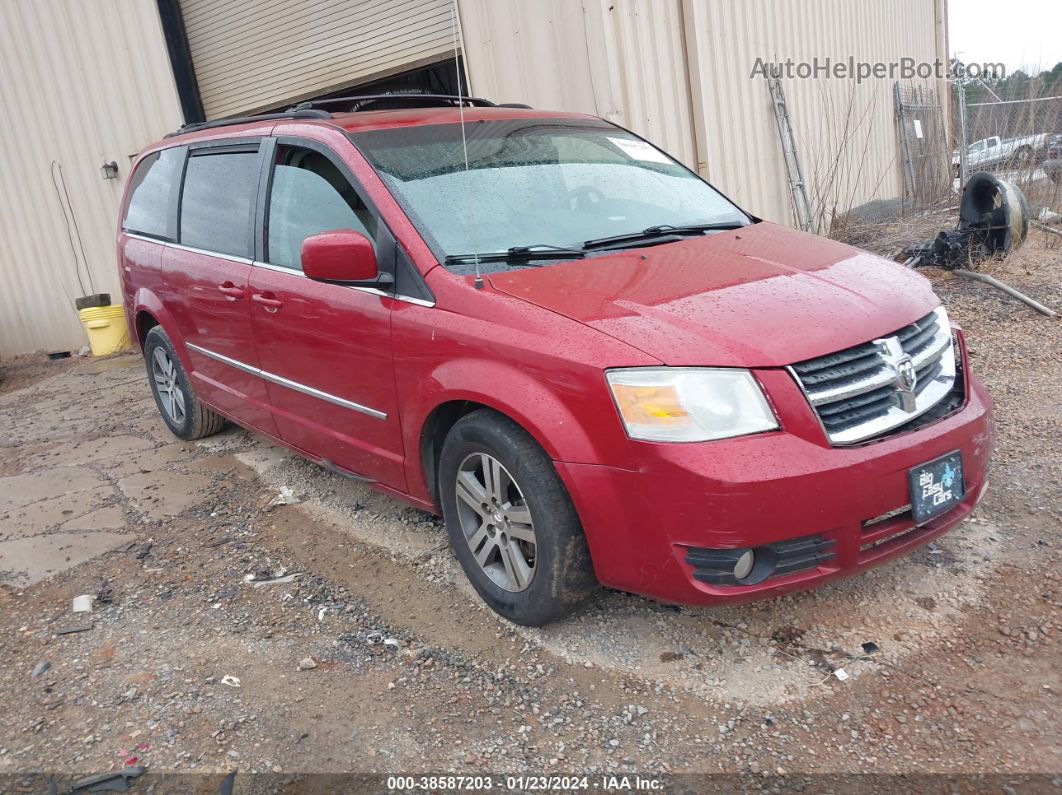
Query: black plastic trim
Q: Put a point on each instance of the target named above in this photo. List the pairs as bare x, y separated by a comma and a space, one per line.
233, 120
716, 566
180, 53
359, 103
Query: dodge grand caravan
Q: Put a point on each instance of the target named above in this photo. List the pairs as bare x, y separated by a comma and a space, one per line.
595, 366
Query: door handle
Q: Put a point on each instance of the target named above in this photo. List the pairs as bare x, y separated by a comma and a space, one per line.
230, 290
268, 301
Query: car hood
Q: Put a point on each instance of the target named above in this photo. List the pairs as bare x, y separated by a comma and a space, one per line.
760, 296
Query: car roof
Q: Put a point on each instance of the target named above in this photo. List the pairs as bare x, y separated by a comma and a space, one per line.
362, 121
414, 117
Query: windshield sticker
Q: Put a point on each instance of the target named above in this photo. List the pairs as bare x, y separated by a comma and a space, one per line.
640, 150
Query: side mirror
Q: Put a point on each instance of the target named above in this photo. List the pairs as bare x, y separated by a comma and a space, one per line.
342, 256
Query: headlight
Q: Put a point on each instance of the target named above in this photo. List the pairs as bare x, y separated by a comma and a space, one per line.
689, 404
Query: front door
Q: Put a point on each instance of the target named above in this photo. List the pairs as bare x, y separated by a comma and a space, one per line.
204, 280
325, 349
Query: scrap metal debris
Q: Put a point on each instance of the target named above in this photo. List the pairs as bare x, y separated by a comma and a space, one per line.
275, 580
116, 781
984, 277
227, 784
993, 221
83, 603
286, 496
73, 630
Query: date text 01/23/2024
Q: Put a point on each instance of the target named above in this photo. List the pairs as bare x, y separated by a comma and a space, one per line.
525, 783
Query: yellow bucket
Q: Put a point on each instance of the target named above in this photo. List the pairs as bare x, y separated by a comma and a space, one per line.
106, 328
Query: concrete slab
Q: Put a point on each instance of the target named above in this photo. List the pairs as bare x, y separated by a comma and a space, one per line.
124, 362
110, 517
93, 450
27, 561
151, 426
41, 515
150, 460
263, 458
13, 460
164, 494
19, 490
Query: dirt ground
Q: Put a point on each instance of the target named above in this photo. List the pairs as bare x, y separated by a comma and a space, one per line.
191, 661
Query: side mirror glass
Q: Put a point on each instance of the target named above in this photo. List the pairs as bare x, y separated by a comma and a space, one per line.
342, 256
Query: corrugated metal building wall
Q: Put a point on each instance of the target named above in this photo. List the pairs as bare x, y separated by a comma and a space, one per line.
80, 86
624, 61
250, 56
846, 132
678, 72
79, 89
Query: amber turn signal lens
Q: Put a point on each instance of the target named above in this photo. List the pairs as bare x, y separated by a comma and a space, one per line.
689, 404
656, 405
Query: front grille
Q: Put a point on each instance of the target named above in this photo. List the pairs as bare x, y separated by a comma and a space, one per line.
857, 392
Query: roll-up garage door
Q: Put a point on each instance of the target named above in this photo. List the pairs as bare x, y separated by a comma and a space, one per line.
250, 55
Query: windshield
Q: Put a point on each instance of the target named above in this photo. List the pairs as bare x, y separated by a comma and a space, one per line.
536, 182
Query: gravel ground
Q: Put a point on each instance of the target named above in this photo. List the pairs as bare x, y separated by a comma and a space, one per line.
961, 677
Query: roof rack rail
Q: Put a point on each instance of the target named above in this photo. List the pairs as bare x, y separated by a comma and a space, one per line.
299, 113
358, 103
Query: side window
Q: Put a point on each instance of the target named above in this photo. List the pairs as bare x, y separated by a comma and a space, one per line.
148, 211
309, 195
217, 202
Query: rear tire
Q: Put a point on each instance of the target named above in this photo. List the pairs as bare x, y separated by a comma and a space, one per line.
514, 529
175, 398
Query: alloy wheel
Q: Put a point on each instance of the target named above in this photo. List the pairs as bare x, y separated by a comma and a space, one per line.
171, 396
496, 522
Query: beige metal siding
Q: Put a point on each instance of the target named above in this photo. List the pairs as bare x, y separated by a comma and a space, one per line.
678, 72
845, 132
623, 60
77, 88
249, 56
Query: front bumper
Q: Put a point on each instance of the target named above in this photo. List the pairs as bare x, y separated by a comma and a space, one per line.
773, 487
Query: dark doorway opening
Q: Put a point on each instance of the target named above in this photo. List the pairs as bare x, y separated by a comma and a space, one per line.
436, 78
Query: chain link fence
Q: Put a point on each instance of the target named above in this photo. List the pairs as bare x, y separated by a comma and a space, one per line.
924, 151
1019, 140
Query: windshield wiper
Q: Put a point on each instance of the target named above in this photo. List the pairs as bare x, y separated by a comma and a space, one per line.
663, 230
517, 254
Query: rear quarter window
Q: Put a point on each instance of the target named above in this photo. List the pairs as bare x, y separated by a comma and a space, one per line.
151, 195
218, 202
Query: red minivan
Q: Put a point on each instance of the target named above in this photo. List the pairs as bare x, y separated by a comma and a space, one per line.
594, 365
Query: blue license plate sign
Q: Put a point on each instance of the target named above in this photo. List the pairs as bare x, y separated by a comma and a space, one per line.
936, 486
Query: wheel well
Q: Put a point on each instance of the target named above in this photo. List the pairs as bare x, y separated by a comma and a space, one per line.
145, 321
436, 427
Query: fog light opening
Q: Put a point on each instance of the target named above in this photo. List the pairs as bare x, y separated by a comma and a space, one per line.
744, 565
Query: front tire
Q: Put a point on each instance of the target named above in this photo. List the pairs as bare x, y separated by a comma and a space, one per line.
175, 398
512, 525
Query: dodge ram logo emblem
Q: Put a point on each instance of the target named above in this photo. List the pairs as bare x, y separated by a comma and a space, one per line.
905, 378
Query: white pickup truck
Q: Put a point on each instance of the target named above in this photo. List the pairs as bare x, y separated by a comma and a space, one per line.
997, 151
